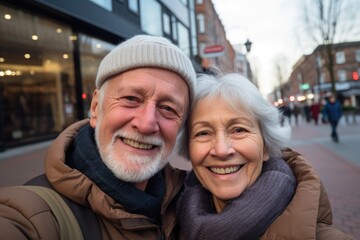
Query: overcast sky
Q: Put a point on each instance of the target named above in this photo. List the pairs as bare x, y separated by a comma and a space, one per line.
270, 26
274, 27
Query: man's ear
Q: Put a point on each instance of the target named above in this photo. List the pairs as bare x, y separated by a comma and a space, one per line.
94, 108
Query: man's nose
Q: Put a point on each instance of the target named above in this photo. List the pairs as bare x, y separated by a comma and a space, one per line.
146, 120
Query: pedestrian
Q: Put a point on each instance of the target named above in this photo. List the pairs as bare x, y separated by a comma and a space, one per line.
307, 113
116, 163
296, 111
333, 112
315, 110
240, 186
286, 113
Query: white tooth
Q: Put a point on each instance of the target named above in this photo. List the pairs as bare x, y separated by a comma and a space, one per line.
226, 170
137, 144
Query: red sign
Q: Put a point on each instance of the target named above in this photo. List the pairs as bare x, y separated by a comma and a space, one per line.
214, 49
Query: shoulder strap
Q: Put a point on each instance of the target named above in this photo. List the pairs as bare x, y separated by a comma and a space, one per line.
85, 217
69, 227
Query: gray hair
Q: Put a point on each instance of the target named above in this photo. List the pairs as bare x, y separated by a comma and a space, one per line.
238, 91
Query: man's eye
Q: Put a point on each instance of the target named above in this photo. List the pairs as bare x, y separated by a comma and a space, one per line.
131, 98
167, 108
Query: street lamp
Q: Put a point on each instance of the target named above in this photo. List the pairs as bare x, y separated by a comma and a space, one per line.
248, 44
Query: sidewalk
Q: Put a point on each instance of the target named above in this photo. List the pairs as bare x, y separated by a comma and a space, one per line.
338, 165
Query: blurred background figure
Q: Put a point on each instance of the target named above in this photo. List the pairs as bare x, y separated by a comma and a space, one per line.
333, 113
286, 113
296, 111
307, 112
315, 110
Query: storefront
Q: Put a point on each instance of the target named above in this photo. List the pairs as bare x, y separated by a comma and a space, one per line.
47, 74
50, 51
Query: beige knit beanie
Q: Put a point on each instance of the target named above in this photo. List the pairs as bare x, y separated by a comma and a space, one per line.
147, 51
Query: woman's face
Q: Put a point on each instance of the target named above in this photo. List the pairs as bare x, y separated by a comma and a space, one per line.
226, 147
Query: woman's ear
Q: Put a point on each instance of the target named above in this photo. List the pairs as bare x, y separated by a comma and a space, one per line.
266, 155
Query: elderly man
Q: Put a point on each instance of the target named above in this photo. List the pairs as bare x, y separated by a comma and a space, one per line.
116, 164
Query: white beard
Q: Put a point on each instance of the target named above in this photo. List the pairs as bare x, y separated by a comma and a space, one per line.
131, 167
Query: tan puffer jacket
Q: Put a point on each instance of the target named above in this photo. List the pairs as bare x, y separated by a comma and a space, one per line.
308, 215
23, 215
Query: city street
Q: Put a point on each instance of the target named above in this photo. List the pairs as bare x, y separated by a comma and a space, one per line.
338, 165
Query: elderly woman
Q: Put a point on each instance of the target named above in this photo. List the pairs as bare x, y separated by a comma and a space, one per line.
244, 183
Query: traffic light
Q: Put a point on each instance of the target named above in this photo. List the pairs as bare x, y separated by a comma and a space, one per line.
355, 76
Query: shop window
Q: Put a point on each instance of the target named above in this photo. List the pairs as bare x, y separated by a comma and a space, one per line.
106, 4
342, 75
174, 28
299, 77
193, 29
340, 57
92, 51
133, 5
184, 2
201, 23
319, 62
150, 17
322, 78
36, 75
184, 42
166, 24
357, 55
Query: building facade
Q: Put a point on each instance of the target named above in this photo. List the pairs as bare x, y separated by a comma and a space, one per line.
211, 32
310, 76
50, 51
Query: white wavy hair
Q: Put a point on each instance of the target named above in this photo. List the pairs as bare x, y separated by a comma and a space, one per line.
238, 91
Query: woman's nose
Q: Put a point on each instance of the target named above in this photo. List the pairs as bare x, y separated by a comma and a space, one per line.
222, 147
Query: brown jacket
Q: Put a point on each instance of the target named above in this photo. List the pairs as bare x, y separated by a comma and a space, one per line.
308, 215
24, 215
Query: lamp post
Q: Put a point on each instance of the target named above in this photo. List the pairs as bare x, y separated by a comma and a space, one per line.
248, 44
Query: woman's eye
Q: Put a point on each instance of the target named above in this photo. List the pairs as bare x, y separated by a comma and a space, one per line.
238, 130
201, 134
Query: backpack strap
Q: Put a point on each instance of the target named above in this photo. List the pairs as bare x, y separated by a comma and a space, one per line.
85, 217
69, 227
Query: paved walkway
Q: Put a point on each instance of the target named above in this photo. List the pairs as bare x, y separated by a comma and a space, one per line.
338, 165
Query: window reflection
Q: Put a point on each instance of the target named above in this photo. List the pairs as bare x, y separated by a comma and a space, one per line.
184, 43
150, 11
92, 51
36, 75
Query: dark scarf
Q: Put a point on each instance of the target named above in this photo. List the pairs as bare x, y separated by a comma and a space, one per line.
246, 217
84, 156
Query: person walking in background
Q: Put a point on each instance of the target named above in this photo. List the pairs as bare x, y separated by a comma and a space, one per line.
286, 113
116, 164
307, 112
315, 110
333, 112
245, 184
296, 111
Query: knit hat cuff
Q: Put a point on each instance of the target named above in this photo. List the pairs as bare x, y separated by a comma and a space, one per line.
128, 56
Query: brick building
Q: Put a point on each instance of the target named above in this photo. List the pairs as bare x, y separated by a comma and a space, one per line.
310, 77
211, 32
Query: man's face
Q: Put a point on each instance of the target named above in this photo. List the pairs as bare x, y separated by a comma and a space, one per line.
136, 120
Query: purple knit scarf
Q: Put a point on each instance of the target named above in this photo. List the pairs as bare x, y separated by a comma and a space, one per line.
246, 217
